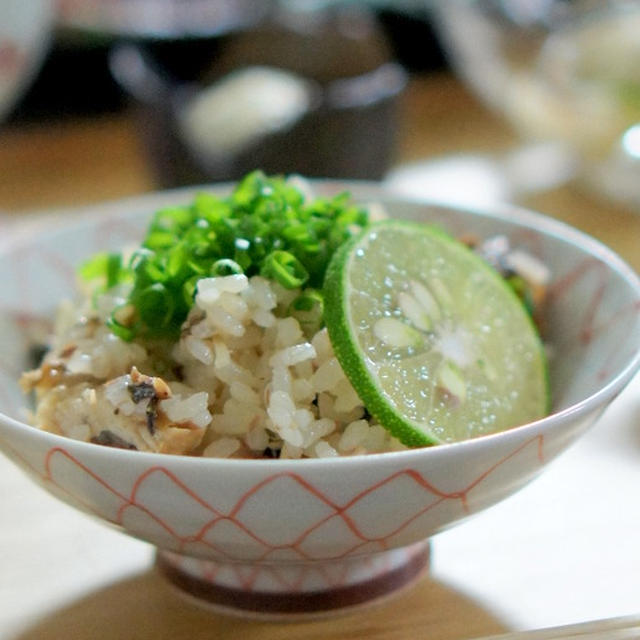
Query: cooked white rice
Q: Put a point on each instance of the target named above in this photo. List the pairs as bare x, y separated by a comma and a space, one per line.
242, 381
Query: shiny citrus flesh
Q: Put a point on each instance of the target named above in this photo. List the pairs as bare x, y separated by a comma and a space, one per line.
436, 344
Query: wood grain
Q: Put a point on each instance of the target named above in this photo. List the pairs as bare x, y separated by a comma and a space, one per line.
145, 608
67, 164
75, 163
53, 165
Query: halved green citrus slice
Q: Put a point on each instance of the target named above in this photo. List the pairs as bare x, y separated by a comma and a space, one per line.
434, 341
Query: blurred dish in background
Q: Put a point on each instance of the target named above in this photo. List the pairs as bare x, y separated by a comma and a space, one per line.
227, 117
310, 91
25, 29
75, 79
473, 179
557, 70
160, 18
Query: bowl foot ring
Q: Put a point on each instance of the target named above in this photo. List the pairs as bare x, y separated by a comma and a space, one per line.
291, 591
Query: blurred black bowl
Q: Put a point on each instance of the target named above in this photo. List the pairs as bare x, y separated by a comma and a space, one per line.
345, 127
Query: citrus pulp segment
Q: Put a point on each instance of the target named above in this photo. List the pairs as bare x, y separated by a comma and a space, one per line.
434, 341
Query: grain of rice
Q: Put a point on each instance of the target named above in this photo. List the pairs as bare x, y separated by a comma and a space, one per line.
222, 448
209, 289
228, 424
302, 418
199, 349
233, 372
284, 297
353, 436
260, 294
290, 451
247, 381
257, 439
263, 318
117, 393
325, 404
281, 380
324, 450
325, 426
225, 322
202, 330
79, 431
249, 340
317, 429
302, 390
221, 353
80, 363
234, 305
288, 332
191, 409
346, 397
304, 369
375, 440
328, 375
292, 436
244, 393
322, 345
281, 409
293, 355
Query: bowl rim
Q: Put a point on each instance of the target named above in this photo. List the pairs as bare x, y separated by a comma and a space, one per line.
362, 191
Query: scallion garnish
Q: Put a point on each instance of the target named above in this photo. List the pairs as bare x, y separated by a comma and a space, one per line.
225, 267
285, 269
308, 310
264, 227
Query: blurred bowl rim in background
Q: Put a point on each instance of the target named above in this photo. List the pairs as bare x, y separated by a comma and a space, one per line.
528, 60
346, 128
25, 37
172, 19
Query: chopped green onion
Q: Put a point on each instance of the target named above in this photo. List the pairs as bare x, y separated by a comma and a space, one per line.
307, 301
308, 310
105, 266
95, 267
171, 220
160, 240
156, 270
155, 305
124, 333
189, 290
114, 264
265, 226
285, 268
241, 254
225, 267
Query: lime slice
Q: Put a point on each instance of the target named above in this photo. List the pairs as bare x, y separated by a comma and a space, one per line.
434, 341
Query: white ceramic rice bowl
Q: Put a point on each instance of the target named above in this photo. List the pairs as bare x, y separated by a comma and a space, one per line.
280, 537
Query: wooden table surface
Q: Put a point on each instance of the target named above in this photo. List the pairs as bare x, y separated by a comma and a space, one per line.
68, 164
65, 576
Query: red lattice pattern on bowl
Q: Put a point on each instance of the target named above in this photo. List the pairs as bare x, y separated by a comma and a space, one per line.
141, 509
326, 516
